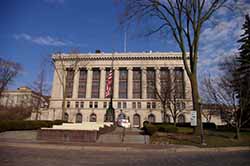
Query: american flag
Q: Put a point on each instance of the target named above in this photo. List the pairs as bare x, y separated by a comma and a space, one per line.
109, 83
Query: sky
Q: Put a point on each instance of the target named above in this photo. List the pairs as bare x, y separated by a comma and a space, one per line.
33, 29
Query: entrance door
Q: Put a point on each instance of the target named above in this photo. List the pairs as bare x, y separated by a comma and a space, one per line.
136, 120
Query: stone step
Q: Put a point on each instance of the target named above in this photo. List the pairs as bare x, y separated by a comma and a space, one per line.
109, 138
136, 139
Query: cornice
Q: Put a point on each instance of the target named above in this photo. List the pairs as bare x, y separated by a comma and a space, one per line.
120, 56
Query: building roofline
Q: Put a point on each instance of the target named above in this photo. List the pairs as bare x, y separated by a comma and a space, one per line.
118, 56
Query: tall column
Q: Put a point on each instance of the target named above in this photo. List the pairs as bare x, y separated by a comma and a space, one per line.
116, 83
130, 82
144, 82
157, 79
89, 82
76, 84
102, 82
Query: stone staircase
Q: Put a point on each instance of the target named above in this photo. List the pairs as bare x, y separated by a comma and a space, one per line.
119, 135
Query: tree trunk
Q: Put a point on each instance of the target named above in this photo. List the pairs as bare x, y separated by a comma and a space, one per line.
237, 134
164, 114
174, 121
196, 107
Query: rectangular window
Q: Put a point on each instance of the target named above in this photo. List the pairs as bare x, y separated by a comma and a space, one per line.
153, 105
124, 105
105, 105
137, 83
68, 104
179, 83
165, 81
119, 105
148, 105
69, 82
82, 83
134, 105
151, 83
138, 104
96, 104
82, 104
95, 83
90, 104
77, 104
123, 83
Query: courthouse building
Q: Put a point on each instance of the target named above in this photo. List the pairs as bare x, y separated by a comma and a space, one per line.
85, 77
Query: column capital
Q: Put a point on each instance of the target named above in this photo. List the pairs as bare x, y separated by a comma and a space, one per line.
143, 68
116, 68
89, 68
129, 68
102, 68
157, 68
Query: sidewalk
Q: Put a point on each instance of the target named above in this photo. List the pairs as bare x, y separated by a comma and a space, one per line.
113, 146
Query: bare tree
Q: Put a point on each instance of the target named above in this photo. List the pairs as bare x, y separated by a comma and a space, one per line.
41, 87
184, 19
222, 92
166, 90
62, 66
8, 71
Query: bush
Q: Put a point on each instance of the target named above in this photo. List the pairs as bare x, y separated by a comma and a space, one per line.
9, 125
150, 129
167, 128
15, 113
210, 126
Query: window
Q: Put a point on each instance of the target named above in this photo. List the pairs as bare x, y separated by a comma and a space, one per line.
82, 104
181, 119
105, 104
69, 83
82, 83
165, 81
95, 83
124, 105
78, 118
179, 83
148, 105
66, 117
96, 104
153, 105
139, 105
92, 117
90, 104
151, 118
68, 104
77, 104
180, 105
134, 105
151, 83
137, 85
119, 105
123, 83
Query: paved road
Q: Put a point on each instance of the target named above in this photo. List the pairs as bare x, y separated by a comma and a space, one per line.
11, 156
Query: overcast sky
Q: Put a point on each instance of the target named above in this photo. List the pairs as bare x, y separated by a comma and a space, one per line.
32, 29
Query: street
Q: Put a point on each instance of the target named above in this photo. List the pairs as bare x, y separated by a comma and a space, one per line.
17, 156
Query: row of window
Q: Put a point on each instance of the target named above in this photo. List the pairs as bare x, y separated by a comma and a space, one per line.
135, 105
136, 118
167, 80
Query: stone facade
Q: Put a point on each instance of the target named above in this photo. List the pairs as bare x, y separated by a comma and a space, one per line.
91, 104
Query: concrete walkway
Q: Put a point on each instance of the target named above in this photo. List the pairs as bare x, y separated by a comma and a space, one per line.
28, 139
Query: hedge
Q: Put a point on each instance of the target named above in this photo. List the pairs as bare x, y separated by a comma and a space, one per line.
10, 125
150, 129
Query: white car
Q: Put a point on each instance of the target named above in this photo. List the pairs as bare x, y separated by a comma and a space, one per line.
124, 123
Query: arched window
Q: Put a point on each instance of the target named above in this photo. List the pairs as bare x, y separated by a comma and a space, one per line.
92, 117
78, 118
121, 116
167, 118
136, 120
181, 119
66, 117
151, 118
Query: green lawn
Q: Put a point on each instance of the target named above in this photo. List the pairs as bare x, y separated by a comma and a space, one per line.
212, 138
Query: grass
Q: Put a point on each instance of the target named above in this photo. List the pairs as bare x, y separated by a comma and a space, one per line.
212, 138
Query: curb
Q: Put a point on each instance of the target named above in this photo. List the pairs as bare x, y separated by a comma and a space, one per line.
123, 149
